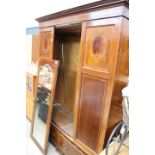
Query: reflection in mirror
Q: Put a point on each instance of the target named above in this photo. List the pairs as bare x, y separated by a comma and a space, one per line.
42, 103
29, 86
45, 89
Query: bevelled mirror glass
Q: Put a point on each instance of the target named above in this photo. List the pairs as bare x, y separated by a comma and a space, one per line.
45, 88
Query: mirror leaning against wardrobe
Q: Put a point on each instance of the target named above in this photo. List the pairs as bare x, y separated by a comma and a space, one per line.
45, 89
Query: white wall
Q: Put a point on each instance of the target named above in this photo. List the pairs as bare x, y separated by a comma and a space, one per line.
28, 49
43, 7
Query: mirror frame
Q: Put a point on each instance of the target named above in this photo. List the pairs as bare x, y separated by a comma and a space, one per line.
54, 65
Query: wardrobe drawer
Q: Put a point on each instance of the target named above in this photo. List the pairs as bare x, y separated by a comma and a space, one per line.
71, 149
56, 137
63, 143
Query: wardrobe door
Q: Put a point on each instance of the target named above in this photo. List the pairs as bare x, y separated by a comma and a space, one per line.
99, 47
91, 101
46, 42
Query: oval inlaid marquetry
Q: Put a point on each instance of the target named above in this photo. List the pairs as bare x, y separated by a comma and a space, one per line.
99, 46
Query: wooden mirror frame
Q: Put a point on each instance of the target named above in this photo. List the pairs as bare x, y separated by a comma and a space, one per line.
54, 65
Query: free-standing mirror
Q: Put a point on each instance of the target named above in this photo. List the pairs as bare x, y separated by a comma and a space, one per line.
45, 85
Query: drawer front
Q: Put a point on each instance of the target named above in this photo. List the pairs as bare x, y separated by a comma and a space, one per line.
29, 107
56, 138
64, 144
70, 149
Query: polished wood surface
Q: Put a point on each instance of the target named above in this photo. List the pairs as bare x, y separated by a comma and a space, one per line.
83, 17
63, 143
63, 119
90, 112
35, 48
110, 84
72, 29
30, 94
101, 61
84, 8
29, 107
71, 60
98, 55
121, 78
67, 51
97, 47
46, 42
100, 27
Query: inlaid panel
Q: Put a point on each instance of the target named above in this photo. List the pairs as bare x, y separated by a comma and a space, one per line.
98, 47
46, 44
90, 112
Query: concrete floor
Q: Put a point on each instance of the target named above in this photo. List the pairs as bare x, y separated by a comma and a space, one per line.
32, 149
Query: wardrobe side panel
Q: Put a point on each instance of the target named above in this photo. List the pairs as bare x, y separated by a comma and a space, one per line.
121, 78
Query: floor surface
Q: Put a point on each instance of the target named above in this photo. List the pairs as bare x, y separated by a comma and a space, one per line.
32, 149
113, 147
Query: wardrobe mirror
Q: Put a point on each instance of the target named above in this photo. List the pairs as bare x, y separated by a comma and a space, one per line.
46, 80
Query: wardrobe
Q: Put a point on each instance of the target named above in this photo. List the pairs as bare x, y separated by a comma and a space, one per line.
91, 44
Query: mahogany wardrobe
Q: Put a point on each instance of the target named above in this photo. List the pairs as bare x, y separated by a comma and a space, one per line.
91, 44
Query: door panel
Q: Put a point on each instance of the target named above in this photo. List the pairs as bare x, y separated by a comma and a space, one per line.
98, 47
91, 102
98, 55
46, 43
